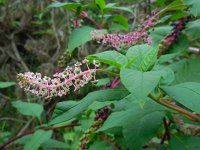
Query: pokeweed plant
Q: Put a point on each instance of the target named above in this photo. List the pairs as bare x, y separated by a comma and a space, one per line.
153, 96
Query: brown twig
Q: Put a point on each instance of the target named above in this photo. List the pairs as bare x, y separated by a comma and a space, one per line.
6, 144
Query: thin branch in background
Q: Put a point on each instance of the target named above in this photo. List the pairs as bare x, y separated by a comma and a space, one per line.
55, 56
16, 52
12, 119
6, 144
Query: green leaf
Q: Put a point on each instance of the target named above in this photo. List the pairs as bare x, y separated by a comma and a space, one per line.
80, 36
159, 33
112, 6
51, 143
110, 57
175, 5
101, 4
184, 143
178, 15
6, 84
37, 139
168, 57
186, 71
143, 57
103, 82
135, 121
193, 29
136, 54
100, 144
166, 73
63, 107
121, 20
140, 133
65, 5
140, 84
73, 110
194, 8
188, 94
181, 45
28, 109
117, 27
160, 2
149, 59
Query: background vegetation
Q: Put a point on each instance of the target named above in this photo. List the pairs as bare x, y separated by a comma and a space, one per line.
44, 36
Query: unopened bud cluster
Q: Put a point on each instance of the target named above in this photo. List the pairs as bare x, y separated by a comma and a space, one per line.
100, 116
120, 41
172, 37
61, 83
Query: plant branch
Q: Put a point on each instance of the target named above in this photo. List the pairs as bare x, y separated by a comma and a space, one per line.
167, 132
177, 108
84, 15
109, 72
6, 144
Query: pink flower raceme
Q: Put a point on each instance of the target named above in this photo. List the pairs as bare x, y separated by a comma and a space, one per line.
61, 83
173, 36
124, 41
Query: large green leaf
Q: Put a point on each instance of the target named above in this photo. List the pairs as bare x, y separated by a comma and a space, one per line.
110, 57
37, 139
194, 8
186, 71
181, 44
159, 33
73, 110
29, 109
149, 59
144, 56
63, 107
166, 73
184, 143
188, 94
6, 84
140, 84
79, 36
138, 52
135, 121
193, 29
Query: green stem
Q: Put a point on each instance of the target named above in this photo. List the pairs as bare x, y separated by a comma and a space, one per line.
109, 72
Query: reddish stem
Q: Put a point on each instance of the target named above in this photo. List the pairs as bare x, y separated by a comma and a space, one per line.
114, 83
167, 132
85, 16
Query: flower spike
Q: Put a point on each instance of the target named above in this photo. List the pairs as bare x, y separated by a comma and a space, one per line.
60, 84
